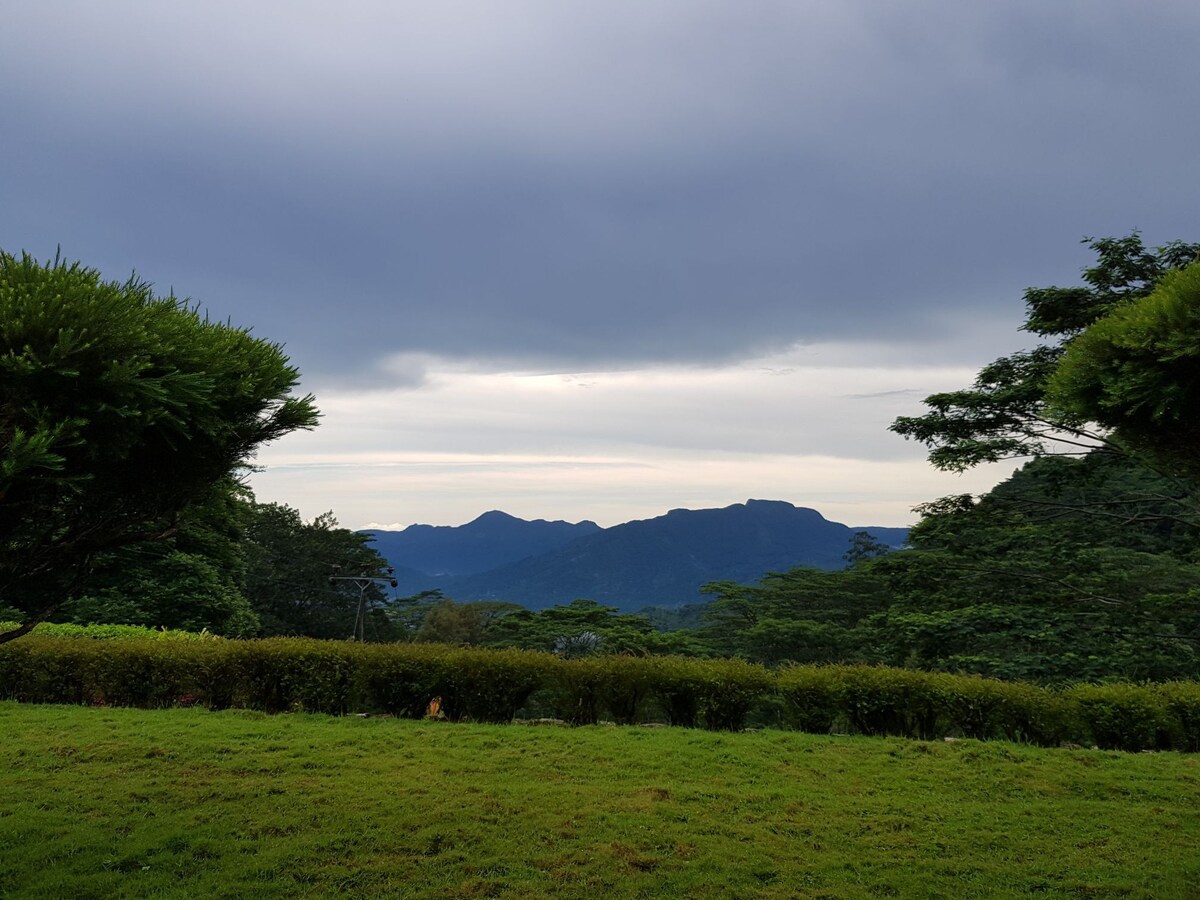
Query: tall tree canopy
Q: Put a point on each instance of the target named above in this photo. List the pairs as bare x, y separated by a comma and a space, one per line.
1005, 414
1136, 372
118, 410
288, 564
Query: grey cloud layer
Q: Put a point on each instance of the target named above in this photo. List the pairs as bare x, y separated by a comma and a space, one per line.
595, 184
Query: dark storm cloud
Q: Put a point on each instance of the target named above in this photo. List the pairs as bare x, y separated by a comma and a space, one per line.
600, 185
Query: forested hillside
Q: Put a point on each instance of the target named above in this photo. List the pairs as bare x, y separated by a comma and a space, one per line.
661, 561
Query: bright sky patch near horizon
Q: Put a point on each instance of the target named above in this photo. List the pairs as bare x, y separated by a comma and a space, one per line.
602, 260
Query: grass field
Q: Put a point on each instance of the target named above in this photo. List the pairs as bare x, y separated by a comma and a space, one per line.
191, 803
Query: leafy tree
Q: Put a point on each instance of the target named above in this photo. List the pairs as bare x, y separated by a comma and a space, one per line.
1005, 414
447, 622
1136, 372
1054, 575
289, 564
191, 581
154, 586
560, 626
803, 615
119, 410
863, 545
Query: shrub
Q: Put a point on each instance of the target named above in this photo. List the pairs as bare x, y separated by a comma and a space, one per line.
139, 672
880, 700
626, 683
488, 685
979, 707
283, 674
677, 690
400, 680
1035, 714
1121, 716
1182, 702
107, 632
812, 697
726, 689
36, 669
575, 689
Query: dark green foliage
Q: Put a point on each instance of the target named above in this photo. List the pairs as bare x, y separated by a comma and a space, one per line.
1182, 700
575, 693
296, 674
987, 708
889, 701
489, 686
676, 691
121, 409
812, 697
1071, 570
1004, 414
400, 683
804, 615
726, 690
191, 581
156, 586
617, 632
1122, 716
1136, 372
288, 564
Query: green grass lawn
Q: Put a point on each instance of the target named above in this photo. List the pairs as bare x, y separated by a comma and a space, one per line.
190, 803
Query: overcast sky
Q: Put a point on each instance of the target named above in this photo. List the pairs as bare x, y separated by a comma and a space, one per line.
600, 260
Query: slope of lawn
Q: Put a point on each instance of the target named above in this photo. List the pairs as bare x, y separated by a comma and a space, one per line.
190, 803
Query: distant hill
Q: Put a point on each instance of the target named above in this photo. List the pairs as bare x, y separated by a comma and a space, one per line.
652, 562
490, 541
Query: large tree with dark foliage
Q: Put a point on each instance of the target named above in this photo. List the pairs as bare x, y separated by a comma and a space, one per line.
1136, 372
119, 409
1005, 414
288, 566
192, 581
1083, 564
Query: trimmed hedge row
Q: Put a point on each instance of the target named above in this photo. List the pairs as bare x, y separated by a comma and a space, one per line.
286, 674
107, 632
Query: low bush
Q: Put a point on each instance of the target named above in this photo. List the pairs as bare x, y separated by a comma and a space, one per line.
676, 690
302, 674
979, 707
1182, 701
108, 632
574, 691
488, 685
726, 691
812, 698
878, 700
620, 688
1121, 716
398, 683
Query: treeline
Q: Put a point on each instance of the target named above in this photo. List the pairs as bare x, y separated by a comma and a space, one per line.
1074, 569
238, 568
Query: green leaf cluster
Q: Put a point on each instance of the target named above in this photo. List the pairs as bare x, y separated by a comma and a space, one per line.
1137, 373
119, 410
1005, 413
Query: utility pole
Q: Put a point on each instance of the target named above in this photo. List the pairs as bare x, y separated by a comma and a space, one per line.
364, 582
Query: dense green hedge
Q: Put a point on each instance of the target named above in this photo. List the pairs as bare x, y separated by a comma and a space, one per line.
106, 632
283, 674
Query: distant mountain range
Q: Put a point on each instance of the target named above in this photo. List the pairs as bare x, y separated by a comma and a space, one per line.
652, 562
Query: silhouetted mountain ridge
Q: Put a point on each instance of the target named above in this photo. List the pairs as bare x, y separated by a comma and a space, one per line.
492, 540
661, 561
